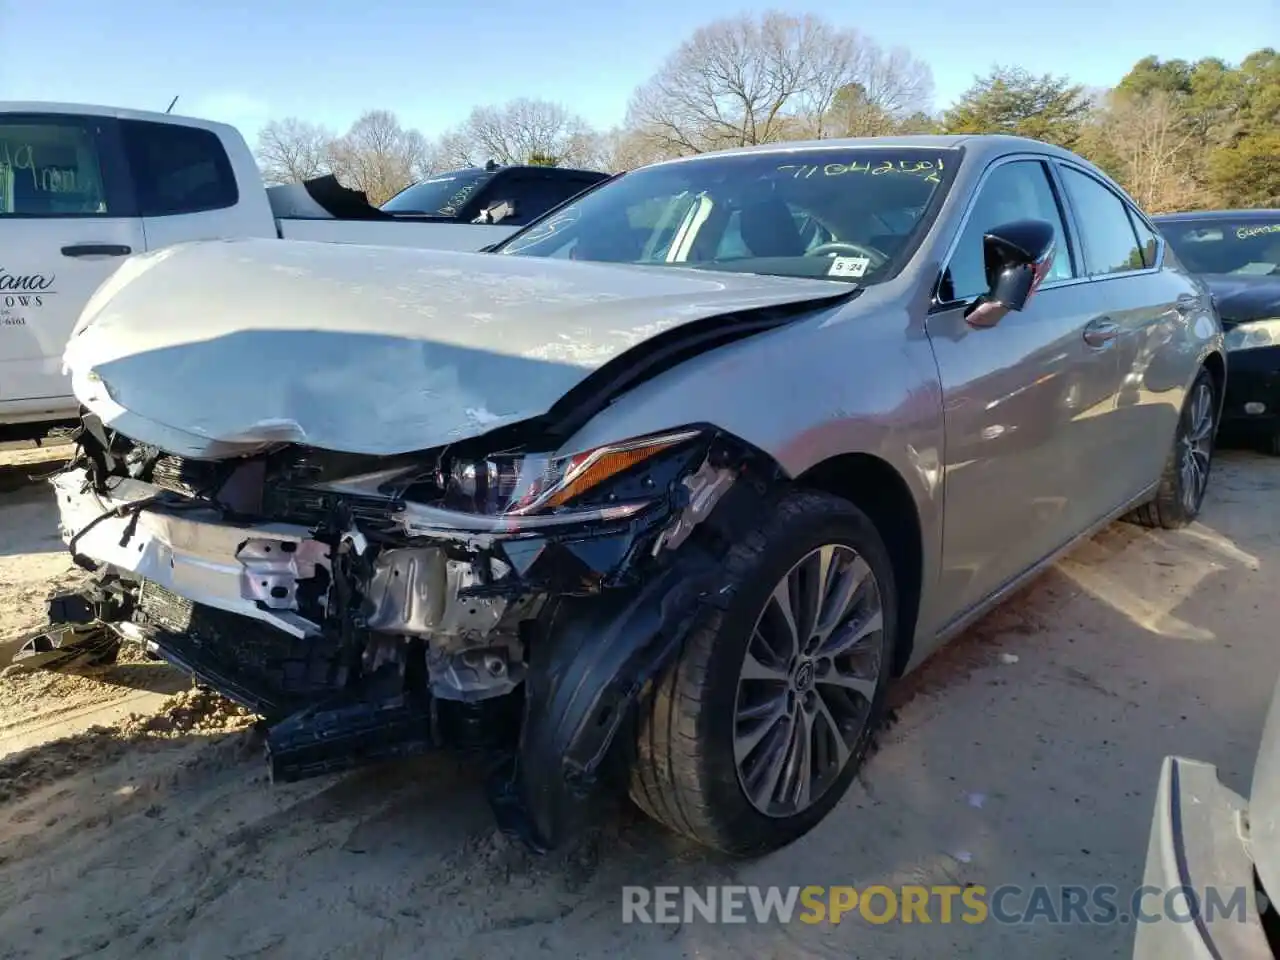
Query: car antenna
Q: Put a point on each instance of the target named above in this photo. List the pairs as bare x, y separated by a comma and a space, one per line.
171, 103
491, 164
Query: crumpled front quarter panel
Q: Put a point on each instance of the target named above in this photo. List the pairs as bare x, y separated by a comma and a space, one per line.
855, 378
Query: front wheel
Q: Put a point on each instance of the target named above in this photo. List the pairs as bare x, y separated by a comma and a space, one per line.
1186, 473
758, 728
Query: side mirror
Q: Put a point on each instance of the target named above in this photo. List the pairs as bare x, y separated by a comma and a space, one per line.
1017, 256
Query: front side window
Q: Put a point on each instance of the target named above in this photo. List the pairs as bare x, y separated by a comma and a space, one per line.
838, 213
178, 169
50, 169
1110, 244
1226, 245
1018, 190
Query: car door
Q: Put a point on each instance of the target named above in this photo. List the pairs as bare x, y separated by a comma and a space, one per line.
1143, 310
67, 220
1017, 398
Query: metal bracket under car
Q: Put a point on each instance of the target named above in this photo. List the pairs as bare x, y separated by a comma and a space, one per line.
75, 637
62, 648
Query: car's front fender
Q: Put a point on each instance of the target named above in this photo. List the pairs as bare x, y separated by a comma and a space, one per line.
861, 379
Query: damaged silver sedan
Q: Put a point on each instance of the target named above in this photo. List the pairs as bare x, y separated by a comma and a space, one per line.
661, 493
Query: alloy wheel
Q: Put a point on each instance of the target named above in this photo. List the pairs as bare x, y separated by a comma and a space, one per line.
807, 681
1197, 447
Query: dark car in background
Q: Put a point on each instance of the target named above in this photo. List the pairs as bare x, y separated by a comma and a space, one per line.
512, 195
1237, 253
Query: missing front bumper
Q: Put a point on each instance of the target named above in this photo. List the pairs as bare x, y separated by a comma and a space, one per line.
254, 571
295, 621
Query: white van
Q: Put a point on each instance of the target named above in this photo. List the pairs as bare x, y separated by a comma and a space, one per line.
83, 187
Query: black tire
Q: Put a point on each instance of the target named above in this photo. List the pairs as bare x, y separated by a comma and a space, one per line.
1169, 509
684, 773
1272, 444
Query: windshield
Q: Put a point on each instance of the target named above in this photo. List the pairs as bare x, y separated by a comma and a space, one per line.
439, 196
843, 213
1248, 246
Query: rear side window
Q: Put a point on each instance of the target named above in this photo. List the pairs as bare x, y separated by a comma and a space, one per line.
51, 169
1147, 240
1110, 245
178, 169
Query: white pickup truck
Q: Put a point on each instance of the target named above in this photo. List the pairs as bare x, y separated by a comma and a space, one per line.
83, 187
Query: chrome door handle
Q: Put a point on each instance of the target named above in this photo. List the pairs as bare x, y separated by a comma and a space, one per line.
1101, 332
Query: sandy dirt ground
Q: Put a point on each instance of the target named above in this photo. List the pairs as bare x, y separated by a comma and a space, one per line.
1025, 753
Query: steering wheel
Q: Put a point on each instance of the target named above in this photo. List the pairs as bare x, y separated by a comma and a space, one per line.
834, 248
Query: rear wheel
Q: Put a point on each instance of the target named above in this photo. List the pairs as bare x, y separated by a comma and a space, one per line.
1186, 474
760, 725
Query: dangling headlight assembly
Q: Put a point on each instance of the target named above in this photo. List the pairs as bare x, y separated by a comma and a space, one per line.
518, 491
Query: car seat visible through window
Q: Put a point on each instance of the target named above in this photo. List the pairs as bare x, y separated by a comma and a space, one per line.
769, 230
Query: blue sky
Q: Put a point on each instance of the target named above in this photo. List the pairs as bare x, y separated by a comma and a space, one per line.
245, 62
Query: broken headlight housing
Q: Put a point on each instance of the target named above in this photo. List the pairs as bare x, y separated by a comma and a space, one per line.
523, 485
518, 491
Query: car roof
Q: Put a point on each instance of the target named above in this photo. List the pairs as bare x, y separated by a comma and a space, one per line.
97, 110
549, 171
1243, 214
985, 146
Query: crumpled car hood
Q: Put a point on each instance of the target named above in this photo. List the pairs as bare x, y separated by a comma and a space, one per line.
222, 347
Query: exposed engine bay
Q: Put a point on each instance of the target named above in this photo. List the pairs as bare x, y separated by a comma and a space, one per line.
514, 604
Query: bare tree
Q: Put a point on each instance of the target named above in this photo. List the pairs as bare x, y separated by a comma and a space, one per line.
895, 81
292, 150
379, 156
853, 114
1148, 140
859, 89
517, 132
452, 151
621, 149
748, 80
724, 86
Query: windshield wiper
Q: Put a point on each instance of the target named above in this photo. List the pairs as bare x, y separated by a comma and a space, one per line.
418, 215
